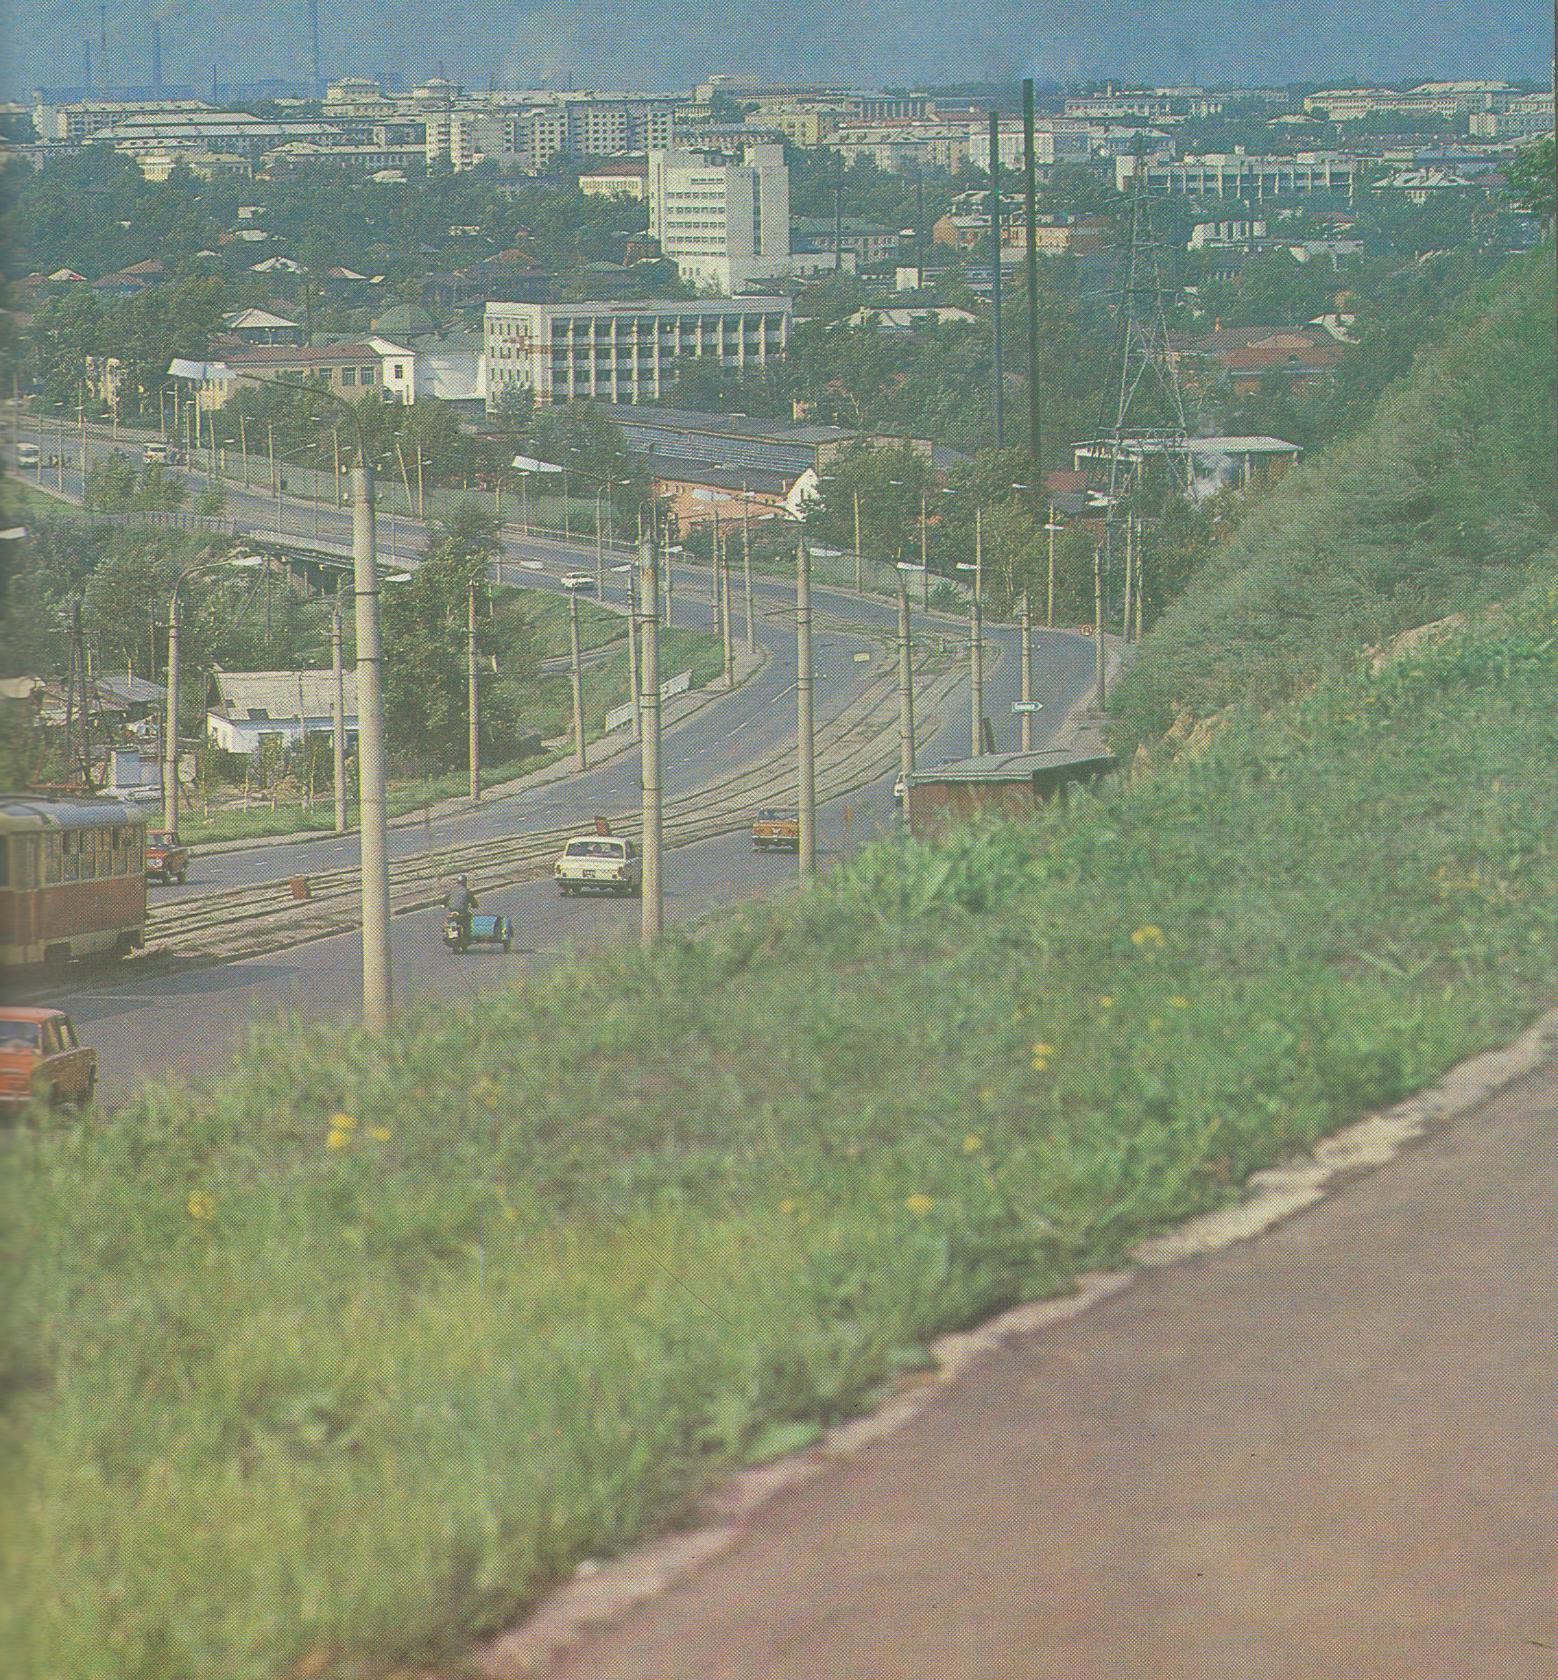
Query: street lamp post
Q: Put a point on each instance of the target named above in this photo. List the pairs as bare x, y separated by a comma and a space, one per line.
805, 734
472, 693
724, 584
633, 695
649, 595
976, 671
1098, 626
1025, 673
905, 689
579, 762
1052, 527
337, 714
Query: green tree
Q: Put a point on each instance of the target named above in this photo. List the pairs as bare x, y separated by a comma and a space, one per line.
1530, 178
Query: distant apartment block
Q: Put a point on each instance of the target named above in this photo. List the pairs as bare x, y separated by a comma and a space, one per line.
1243, 175
1430, 99
622, 352
723, 216
1054, 141
1151, 104
1526, 117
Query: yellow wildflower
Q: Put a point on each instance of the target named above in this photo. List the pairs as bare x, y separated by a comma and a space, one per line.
919, 1204
1179, 1002
1041, 1056
337, 1140
200, 1207
1106, 1002
973, 1143
379, 1134
1148, 937
341, 1122
787, 1205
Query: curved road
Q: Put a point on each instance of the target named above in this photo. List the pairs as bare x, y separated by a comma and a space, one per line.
147, 1023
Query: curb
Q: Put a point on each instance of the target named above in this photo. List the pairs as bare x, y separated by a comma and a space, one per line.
600, 1594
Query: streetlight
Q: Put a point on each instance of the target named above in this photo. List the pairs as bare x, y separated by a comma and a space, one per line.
633, 695
170, 744
1053, 527
652, 900
976, 672
374, 839
905, 686
805, 733
573, 586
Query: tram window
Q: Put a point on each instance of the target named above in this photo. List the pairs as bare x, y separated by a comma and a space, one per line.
72, 856
54, 862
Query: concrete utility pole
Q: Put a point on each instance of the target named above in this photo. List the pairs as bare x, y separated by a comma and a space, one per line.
1099, 696
1141, 533
1030, 207
997, 379
746, 570
472, 694
337, 715
905, 693
579, 760
373, 838
634, 693
600, 553
170, 737
1130, 572
724, 586
976, 655
1025, 673
805, 734
1049, 599
855, 496
714, 568
649, 759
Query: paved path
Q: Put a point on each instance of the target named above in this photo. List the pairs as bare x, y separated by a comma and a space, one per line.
1330, 1453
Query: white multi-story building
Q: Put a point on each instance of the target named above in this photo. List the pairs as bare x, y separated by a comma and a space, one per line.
1054, 141
1240, 174
621, 352
725, 223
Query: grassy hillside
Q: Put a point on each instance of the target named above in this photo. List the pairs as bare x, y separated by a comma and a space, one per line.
1442, 501
343, 1359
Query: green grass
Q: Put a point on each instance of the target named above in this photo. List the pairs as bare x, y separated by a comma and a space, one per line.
588, 1241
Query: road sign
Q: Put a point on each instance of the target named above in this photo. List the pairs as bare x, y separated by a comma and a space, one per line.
1027, 705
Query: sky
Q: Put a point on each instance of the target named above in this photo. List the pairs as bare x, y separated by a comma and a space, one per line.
671, 44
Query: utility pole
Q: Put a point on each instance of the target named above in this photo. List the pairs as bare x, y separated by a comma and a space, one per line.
370, 753
1030, 207
1141, 533
1099, 696
600, 555
1130, 571
170, 736
243, 446
976, 660
668, 588
714, 568
856, 498
724, 586
996, 377
337, 715
633, 689
805, 738
579, 761
924, 558
905, 693
649, 759
1049, 599
472, 693
746, 569
1025, 626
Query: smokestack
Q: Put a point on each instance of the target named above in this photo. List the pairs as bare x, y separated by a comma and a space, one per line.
86, 63
102, 44
315, 88
156, 56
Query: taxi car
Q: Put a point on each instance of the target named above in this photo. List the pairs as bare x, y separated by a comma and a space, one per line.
599, 860
42, 1060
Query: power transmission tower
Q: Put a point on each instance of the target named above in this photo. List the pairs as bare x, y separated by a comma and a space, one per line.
1142, 416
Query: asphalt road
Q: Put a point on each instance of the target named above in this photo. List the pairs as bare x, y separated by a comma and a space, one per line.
145, 1024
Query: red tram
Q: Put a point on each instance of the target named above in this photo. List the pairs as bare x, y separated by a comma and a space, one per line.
72, 878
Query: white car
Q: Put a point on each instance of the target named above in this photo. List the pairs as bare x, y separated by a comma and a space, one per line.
601, 861
578, 580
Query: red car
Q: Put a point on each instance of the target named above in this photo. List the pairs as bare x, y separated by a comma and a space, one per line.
166, 859
42, 1060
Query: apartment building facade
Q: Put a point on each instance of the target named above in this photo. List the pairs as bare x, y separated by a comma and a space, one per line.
1244, 175
621, 352
722, 214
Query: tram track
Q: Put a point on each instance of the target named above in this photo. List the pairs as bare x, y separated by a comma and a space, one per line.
854, 748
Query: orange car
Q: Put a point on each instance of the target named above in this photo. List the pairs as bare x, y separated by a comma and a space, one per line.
42, 1060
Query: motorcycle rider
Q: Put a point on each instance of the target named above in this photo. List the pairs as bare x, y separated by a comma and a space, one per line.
461, 901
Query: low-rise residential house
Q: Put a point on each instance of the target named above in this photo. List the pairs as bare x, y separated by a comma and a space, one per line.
259, 326
867, 242
616, 178
698, 494
349, 370
253, 707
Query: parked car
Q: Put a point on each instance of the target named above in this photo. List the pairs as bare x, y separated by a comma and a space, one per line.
166, 859
776, 828
42, 1060
582, 581
162, 454
28, 455
595, 860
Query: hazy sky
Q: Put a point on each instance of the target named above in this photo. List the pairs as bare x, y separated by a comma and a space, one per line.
673, 43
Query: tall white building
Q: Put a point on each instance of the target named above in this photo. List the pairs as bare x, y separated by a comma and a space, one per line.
722, 216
